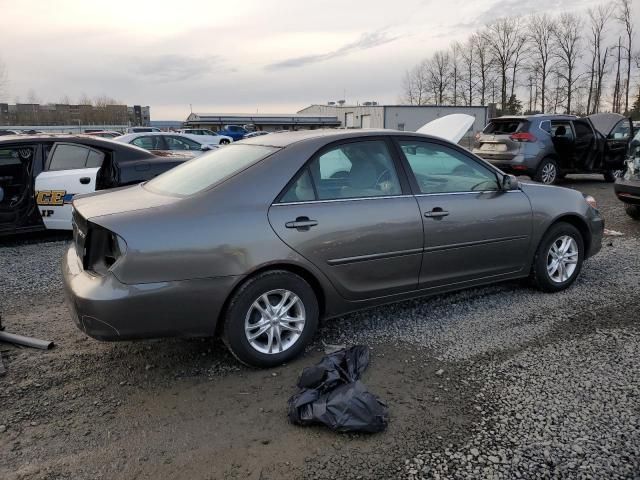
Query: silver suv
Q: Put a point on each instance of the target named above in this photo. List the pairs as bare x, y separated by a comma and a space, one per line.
547, 147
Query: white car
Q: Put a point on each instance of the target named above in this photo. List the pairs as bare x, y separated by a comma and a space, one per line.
162, 142
209, 135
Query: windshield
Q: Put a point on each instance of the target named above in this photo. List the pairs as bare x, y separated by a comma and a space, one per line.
208, 170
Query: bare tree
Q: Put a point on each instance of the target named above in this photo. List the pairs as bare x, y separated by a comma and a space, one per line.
32, 97
504, 38
598, 19
616, 103
623, 15
567, 38
482, 62
541, 38
439, 69
467, 55
455, 70
415, 85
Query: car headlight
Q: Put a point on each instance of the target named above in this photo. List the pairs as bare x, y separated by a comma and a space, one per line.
591, 201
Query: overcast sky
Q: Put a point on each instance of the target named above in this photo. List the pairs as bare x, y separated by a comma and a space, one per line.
252, 55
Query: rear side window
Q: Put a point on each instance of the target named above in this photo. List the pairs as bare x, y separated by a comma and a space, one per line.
505, 127
68, 157
151, 142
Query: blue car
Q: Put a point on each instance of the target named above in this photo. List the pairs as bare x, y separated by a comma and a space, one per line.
234, 131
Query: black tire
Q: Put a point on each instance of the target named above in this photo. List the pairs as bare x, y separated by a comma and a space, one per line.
240, 306
224, 141
540, 275
632, 210
547, 172
611, 175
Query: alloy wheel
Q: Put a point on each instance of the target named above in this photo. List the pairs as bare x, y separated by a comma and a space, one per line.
549, 173
275, 321
562, 259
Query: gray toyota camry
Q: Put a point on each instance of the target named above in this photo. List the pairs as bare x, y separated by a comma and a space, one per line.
261, 239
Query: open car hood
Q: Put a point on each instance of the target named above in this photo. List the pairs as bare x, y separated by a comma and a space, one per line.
450, 127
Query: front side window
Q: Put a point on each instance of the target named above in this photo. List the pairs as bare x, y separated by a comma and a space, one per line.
621, 131
208, 170
353, 170
68, 157
440, 169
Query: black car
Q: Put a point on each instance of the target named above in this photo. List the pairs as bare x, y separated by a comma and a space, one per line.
628, 188
40, 175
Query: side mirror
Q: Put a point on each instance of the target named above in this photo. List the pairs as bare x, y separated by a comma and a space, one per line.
510, 182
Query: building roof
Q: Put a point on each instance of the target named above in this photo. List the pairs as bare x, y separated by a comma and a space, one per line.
262, 118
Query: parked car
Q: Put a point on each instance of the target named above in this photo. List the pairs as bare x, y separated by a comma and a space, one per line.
260, 239
257, 133
234, 131
143, 129
628, 188
162, 143
40, 175
207, 135
103, 133
9, 132
547, 147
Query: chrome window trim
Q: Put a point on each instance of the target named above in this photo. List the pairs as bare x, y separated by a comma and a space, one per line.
357, 199
466, 193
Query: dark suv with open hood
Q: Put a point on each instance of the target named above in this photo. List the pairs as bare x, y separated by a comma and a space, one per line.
547, 147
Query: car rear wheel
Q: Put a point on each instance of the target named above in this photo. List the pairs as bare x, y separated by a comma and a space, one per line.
270, 319
632, 210
547, 172
224, 141
559, 257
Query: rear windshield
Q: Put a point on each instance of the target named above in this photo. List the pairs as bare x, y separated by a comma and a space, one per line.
505, 127
208, 169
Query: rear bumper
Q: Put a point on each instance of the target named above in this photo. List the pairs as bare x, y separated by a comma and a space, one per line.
596, 225
106, 309
628, 191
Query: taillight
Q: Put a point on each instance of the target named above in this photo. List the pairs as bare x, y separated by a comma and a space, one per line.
523, 137
103, 248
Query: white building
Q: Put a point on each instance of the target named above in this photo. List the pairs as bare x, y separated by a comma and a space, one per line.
398, 117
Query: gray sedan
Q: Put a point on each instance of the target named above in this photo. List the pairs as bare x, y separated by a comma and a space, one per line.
259, 240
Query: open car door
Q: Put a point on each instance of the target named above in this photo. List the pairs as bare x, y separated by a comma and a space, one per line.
616, 131
70, 170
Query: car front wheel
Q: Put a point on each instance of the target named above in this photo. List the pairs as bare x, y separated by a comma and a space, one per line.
547, 172
559, 258
270, 319
632, 210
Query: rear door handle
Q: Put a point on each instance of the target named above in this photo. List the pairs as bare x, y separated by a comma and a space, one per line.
85, 180
302, 224
436, 213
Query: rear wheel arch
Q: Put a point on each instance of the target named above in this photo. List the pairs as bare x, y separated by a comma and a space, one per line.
302, 272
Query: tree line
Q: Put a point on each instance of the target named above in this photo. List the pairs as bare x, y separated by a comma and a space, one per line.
578, 63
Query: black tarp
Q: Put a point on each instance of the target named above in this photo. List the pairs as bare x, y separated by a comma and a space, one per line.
331, 394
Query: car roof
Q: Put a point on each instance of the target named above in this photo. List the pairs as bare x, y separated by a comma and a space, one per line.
283, 139
89, 140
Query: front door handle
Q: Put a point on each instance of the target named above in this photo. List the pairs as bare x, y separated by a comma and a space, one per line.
302, 224
436, 213
85, 180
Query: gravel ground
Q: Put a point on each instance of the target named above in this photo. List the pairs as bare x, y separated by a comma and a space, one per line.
494, 382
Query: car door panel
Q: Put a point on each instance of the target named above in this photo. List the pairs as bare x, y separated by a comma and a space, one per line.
484, 234
61, 181
366, 247
472, 228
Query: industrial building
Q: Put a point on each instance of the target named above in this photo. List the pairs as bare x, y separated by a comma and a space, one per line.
262, 121
398, 117
22, 114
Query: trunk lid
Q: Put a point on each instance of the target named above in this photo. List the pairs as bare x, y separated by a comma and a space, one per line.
120, 200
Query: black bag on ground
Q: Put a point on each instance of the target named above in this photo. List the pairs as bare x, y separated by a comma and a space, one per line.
331, 394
